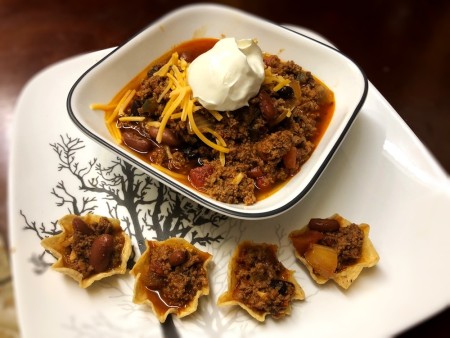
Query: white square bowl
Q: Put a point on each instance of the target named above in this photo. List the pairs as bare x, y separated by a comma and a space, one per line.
104, 80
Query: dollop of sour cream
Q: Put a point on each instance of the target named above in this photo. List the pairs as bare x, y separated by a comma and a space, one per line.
227, 76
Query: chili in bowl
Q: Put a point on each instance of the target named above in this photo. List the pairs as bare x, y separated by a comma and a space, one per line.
252, 149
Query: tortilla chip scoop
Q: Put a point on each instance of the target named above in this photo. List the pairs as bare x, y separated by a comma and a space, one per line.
89, 248
333, 248
259, 283
170, 277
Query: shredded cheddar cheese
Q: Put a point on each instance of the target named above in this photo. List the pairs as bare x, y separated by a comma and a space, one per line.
221, 155
123, 103
278, 80
113, 111
153, 124
216, 115
237, 179
202, 137
131, 118
180, 105
101, 106
126, 102
219, 138
168, 172
286, 113
115, 133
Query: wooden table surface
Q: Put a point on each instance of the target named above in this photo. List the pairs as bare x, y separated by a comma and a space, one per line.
403, 46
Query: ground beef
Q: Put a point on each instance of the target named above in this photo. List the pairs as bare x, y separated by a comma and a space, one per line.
257, 135
177, 280
177, 161
221, 186
347, 241
261, 280
274, 146
158, 156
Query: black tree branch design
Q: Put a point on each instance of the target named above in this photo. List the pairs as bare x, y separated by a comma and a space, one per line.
142, 204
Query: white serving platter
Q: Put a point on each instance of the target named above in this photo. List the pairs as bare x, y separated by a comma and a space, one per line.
381, 175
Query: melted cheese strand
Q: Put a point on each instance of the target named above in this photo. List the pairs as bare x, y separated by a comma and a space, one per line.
115, 112
102, 106
164, 69
216, 114
175, 116
282, 116
237, 179
165, 91
131, 118
174, 80
153, 124
187, 105
181, 105
215, 134
123, 103
221, 155
115, 133
203, 137
168, 172
270, 78
166, 115
126, 102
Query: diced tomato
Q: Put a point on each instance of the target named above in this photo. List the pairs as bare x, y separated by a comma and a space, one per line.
199, 175
255, 172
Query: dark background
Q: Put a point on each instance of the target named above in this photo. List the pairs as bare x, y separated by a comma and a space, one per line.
403, 47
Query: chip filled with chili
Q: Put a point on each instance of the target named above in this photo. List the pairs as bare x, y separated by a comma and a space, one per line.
89, 248
170, 277
334, 248
259, 283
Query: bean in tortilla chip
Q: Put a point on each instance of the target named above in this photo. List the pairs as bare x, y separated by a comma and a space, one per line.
89, 248
170, 277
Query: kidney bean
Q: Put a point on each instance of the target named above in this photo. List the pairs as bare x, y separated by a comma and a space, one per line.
178, 257
263, 183
266, 105
255, 172
101, 252
324, 224
290, 158
168, 137
136, 141
80, 226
